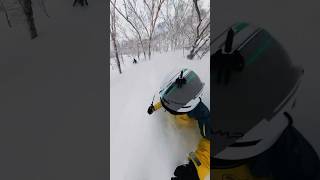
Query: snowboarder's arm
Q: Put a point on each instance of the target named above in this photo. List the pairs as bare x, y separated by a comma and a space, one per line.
198, 167
201, 158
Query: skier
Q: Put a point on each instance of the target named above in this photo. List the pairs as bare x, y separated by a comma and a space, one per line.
134, 61
254, 91
180, 95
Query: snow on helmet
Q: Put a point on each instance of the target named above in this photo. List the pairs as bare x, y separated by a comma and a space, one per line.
181, 91
254, 87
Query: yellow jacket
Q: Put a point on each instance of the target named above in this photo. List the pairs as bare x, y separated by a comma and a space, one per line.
201, 157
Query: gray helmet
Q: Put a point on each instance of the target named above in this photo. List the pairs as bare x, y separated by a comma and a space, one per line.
181, 91
254, 85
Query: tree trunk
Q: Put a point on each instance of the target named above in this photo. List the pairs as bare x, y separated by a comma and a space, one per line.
149, 49
6, 14
113, 32
138, 52
27, 8
183, 47
122, 59
132, 25
142, 47
113, 37
44, 8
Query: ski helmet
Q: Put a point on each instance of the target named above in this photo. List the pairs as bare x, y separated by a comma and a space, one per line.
254, 87
181, 91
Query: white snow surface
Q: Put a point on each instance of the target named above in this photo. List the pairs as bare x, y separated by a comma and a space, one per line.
145, 147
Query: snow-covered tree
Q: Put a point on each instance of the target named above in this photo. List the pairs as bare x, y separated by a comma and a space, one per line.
147, 26
132, 20
143, 18
173, 17
201, 33
113, 34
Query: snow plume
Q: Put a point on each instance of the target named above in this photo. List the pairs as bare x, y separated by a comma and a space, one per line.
145, 147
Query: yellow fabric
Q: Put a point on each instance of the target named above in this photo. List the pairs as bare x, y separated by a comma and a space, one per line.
240, 172
185, 121
182, 120
157, 106
203, 150
203, 155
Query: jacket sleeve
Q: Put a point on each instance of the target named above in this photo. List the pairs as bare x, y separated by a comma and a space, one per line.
201, 158
202, 114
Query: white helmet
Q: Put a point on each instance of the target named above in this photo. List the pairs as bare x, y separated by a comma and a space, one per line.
181, 91
254, 87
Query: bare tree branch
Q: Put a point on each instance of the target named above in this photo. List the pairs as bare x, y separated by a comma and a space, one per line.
114, 34
134, 10
200, 33
6, 14
131, 23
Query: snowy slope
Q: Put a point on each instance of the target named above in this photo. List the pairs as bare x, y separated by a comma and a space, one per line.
147, 147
